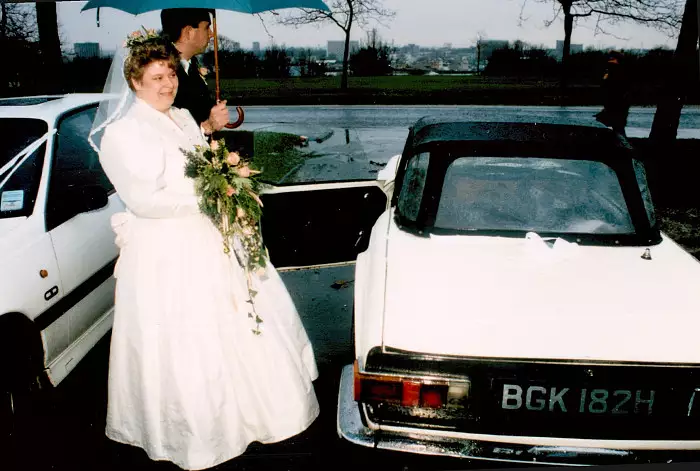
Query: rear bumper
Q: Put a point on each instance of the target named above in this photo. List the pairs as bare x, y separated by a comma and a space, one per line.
413, 440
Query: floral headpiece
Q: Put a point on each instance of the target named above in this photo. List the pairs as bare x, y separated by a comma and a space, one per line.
138, 37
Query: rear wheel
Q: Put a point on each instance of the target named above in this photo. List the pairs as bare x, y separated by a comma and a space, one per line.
16, 421
21, 363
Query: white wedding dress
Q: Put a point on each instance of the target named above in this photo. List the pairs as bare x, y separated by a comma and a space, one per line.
189, 382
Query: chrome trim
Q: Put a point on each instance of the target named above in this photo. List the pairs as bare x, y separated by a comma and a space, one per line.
351, 428
445, 379
540, 361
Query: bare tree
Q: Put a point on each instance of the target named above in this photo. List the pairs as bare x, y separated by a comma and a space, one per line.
18, 36
679, 79
480, 38
345, 14
664, 15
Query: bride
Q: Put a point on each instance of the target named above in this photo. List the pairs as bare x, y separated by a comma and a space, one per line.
188, 380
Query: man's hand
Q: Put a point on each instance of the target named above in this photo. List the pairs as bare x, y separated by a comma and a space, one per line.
218, 117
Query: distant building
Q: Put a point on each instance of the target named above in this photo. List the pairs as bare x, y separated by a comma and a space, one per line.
86, 50
256, 47
413, 49
573, 49
337, 48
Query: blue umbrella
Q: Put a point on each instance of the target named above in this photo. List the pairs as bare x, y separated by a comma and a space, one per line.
136, 7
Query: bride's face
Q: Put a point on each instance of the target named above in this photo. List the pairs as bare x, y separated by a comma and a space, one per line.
158, 85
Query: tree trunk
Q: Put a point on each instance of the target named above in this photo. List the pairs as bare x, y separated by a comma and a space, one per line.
3, 21
50, 44
346, 59
568, 29
678, 79
478, 57
346, 51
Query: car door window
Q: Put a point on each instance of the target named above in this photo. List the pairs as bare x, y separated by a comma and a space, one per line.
75, 165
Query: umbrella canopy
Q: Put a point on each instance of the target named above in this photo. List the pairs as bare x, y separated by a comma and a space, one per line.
136, 7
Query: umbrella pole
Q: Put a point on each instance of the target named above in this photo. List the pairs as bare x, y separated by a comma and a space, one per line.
216, 56
239, 110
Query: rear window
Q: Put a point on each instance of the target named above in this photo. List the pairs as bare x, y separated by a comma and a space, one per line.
18, 133
19, 192
532, 194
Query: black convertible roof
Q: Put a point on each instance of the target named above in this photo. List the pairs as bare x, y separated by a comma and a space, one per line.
554, 135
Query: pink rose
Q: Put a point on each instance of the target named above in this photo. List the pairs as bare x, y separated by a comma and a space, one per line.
243, 171
214, 145
136, 34
230, 191
233, 158
203, 71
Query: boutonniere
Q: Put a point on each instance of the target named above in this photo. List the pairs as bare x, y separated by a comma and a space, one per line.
203, 72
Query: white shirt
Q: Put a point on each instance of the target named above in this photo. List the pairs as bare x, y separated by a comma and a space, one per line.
186, 65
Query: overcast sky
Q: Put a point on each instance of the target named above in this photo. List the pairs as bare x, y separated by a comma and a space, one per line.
423, 22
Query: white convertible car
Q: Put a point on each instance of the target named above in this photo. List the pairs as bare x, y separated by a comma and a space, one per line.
516, 300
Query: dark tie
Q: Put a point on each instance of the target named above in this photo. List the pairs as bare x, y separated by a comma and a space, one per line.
194, 65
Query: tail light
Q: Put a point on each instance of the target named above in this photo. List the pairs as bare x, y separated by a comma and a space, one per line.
410, 391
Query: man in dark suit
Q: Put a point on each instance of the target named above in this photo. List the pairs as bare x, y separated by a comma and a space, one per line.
189, 30
616, 87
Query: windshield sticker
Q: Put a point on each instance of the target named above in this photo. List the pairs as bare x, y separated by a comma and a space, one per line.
12, 200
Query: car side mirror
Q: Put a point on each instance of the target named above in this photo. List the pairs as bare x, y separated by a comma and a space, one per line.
86, 198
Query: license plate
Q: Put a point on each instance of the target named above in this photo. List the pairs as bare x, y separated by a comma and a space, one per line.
572, 400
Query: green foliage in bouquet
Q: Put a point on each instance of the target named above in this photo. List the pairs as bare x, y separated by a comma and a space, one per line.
228, 190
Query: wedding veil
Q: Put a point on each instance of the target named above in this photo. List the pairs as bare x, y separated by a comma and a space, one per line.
118, 98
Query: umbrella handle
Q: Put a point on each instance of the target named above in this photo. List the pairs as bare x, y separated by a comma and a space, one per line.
239, 121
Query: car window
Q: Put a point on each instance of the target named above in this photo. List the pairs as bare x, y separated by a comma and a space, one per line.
533, 194
75, 164
641, 176
412, 186
18, 194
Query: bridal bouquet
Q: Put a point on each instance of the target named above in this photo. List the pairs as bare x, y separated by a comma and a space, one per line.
227, 189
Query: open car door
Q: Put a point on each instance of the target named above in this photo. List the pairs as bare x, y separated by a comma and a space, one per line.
321, 194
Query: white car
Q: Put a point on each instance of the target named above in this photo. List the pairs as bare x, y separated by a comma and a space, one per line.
57, 250
516, 301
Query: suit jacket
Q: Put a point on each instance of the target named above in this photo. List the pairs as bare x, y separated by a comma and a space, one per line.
193, 93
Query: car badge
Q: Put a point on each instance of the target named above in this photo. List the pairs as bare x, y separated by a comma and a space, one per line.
647, 254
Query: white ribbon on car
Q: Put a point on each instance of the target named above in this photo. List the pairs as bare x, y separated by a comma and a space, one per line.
540, 249
23, 155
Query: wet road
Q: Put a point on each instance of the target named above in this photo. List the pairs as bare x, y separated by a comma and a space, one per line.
362, 117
